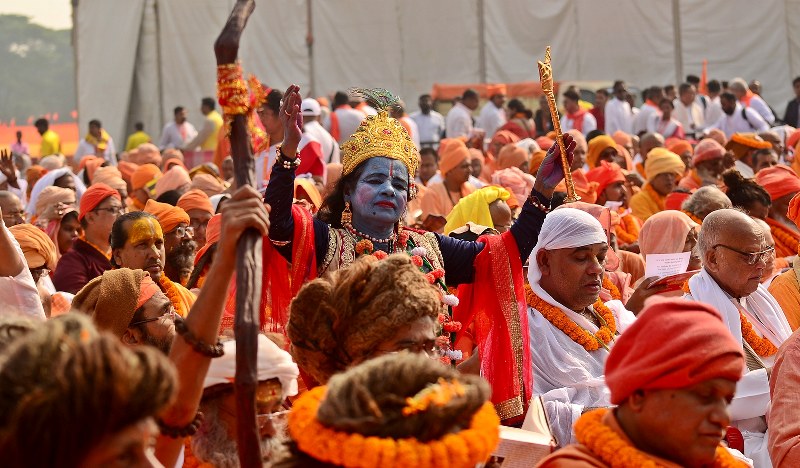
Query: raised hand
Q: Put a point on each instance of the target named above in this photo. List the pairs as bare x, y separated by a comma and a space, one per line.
292, 121
7, 167
551, 172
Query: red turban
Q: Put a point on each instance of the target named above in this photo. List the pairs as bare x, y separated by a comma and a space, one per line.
95, 195
195, 200
673, 344
452, 152
597, 145
707, 150
144, 174
778, 181
169, 217
674, 200
213, 231
605, 174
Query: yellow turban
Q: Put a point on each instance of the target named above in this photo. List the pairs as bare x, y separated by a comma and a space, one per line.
475, 208
38, 248
662, 160
597, 146
380, 136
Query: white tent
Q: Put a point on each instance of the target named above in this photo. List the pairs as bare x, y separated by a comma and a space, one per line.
137, 59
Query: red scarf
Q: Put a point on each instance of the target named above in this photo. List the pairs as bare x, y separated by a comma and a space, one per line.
495, 305
577, 119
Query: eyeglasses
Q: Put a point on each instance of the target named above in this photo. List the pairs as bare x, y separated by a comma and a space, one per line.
14, 215
114, 210
751, 258
182, 232
168, 312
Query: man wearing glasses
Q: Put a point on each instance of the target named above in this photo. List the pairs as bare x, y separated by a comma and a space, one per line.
89, 256
13, 212
179, 244
735, 254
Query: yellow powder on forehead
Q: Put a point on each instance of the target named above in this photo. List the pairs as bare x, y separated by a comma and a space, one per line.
144, 229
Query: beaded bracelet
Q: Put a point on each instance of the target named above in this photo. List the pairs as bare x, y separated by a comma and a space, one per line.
278, 243
282, 161
534, 200
179, 432
212, 351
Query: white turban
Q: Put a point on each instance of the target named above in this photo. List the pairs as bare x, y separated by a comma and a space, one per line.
47, 180
273, 363
565, 228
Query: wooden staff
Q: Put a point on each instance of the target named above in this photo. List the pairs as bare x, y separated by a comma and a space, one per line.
248, 260
546, 78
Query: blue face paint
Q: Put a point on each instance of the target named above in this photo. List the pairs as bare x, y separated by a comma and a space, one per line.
380, 196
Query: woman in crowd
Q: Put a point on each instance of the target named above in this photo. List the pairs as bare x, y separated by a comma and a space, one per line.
58, 217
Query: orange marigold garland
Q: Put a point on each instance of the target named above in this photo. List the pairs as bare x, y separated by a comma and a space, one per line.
171, 291
655, 196
694, 218
589, 341
612, 449
463, 449
762, 346
612, 289
786, 243
628, 229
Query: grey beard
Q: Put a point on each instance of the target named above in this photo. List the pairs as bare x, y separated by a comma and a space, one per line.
212, 445
182, 256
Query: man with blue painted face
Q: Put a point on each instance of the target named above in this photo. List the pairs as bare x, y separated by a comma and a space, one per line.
361, 216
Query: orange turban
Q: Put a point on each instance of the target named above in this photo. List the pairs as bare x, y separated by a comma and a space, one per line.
707, 150
597, 145
144, 174
718, 136
209, 184
585, 189
90, 164
169, 217
605, 174
622, 138
536, 161
95, 195
147, 289
175, 178
793, 140
778, 181
127, 169
52, 202
148, 153
627, 156
794, 209
511, 156
213, 231
661, 161
195, 200
503, 137
33, 174
674, 343
110, 176
680, 146
304, 185
38, 249
452, 152
742, 143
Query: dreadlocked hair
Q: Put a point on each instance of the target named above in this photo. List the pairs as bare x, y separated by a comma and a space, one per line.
13, 327
64, 387
339, 321
744, 192
369, 399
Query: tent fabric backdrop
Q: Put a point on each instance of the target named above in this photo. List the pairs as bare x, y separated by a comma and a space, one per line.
138, 59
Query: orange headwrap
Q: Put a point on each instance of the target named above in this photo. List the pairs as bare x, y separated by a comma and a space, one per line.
680, 146
597, 145
585, 189
452, 152
511, 156
718, 136
793, 140
674, 200
175, 178
169, 217
778, 181
148, 153
38, 249
699, 348
127, 169
110, 176
627, 156
605, 174
794, 209
147, 289
622, 138
536, 161
90, 164
95, 195
144, 174
213, 231
33, 174
503, 137
209, 184
303, 185
195, 200
707, 150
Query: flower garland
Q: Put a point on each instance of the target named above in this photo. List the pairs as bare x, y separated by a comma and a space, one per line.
786, 242
655, 196
762, 346
628, 229
449, 327
616, 452
463, 449
172, 293
611, 288
589, 341
694, 218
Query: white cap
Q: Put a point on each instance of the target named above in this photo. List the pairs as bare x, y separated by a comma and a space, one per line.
310, 106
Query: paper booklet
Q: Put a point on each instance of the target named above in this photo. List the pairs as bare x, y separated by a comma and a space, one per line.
669, 268
522, 448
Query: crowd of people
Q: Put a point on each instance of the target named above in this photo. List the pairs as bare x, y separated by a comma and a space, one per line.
423, 281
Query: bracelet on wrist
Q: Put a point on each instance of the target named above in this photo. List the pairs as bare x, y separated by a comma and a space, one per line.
283, 161
179, 432
212, 351
534, 200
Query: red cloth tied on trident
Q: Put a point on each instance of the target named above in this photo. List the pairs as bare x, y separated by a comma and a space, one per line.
282, 280
674, 343
495, 305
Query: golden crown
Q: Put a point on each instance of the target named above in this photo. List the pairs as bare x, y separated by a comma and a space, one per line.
380, 136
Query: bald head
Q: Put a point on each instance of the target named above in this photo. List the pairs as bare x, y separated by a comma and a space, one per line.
706, 200
648, 142
13, 212
723, 225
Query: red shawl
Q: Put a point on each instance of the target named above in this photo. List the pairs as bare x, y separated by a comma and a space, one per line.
494, 304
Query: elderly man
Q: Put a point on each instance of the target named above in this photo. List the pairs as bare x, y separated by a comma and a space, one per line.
671, 375
130, 305
663, 168
704, 201
89, 256
40, 255
179, 244
440, 198
13, 211
138, 242
18, 290
197, 205
215, 441
734, 256
708, 165
570, 328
